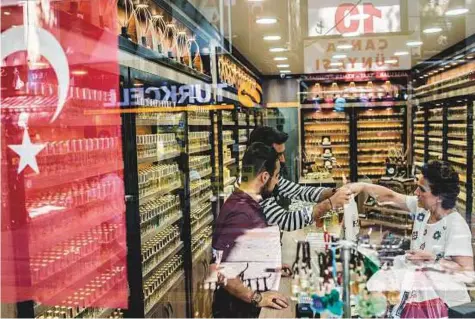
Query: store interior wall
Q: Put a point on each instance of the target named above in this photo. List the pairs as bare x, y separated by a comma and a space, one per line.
285, 91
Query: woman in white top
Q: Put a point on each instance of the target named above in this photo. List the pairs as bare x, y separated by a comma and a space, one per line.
440, 233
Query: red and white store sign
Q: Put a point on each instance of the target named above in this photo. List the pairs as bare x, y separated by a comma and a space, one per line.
365, 54
337, 17
63, 212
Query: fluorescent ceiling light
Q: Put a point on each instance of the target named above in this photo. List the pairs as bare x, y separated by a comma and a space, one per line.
272, 37
283, 65
266, 20
414, 43
280, 58
79, 72
456, 12
401, 53
351, 34
7, 13
285, 71
360, 16
39, 64
276, 50
432, 30
333, 70
339, 56
336, 64
391, 61
454, 63
344, 46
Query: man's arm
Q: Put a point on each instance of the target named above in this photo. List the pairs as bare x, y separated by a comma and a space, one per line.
236, 288
383, 195
290, 221
310, 194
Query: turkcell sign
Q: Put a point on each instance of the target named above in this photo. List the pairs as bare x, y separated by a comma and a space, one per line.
175, 94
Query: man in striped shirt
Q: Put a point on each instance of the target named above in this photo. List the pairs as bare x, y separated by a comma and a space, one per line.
276, 207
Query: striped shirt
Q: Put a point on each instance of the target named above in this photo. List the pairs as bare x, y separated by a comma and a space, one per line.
287, 220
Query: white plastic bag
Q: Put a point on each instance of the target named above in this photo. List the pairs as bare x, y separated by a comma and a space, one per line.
351, 223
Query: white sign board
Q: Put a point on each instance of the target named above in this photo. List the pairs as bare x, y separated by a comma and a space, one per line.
362, 54
337, 17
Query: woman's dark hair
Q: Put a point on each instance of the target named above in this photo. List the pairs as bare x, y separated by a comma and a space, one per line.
268, 135
443, 181
258, 158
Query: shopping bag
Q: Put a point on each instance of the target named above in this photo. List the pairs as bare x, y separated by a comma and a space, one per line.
421, 301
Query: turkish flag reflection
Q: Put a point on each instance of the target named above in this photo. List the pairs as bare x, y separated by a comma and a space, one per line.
63, 212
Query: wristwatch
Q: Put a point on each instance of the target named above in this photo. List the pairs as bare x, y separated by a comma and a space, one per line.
256, 298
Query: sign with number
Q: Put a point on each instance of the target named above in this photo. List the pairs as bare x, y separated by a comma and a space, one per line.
336, 17
365, 54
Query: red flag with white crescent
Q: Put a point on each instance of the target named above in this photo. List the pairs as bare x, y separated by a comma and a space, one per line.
63, 212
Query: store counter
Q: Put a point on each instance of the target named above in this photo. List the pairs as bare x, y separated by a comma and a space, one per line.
289, 249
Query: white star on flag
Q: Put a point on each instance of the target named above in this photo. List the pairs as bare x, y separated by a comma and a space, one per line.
27, 153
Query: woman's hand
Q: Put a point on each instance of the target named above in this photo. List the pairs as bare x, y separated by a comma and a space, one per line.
420, 256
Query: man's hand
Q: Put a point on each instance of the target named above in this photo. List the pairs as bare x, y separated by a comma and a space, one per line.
420, 256
341, 197
356, 188
274, 300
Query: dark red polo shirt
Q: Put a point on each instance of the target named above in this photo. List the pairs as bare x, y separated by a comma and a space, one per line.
239, 213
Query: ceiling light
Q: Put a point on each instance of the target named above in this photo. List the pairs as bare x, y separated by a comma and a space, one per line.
441, 69
391, 61
414, 43
351, 34
454, 63
285, 71
79, 72
336, 64
456, 12
344, 46
401, 53
280, 58
333, 70
266, 20
361, 16
339, 56
283, 65
421, 77
272, 37
7, 13
432, 30
142, 6
39, 64
276, 50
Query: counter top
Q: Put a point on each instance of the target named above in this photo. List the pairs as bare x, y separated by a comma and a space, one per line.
289, 247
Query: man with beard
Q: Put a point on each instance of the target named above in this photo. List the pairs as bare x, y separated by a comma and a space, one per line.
240, 213
275, 207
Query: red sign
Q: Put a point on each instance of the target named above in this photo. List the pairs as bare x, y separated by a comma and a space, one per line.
63, 212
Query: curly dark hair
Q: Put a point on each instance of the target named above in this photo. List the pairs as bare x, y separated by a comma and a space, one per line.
443, 181
268, 135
